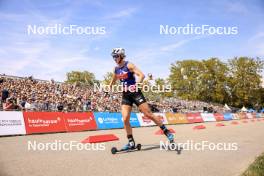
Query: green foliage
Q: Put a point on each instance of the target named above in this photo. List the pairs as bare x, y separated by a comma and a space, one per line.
81, 78
237, 82
107, 78
185, 78
214, 79
162, 86
245, 80
256, 168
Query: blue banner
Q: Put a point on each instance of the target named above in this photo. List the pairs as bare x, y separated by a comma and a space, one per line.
134, 122
108, 120
227, 116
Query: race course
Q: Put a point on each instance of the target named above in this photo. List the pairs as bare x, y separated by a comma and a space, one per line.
16, 159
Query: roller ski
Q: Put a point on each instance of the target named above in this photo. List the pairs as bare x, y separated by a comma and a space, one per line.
172, 146
127, 148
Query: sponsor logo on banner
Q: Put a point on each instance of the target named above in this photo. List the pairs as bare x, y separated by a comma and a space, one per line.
173, 118
219, 117
43, 122
107, 120
170, 118
134, 122
11, 123
194, 117
208, 117
144, 121
228, 116
79, 121
181, 118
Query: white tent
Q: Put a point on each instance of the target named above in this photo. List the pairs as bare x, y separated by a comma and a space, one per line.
227, 107
244, 109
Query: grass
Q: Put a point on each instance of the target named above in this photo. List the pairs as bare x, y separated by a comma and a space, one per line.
256, 168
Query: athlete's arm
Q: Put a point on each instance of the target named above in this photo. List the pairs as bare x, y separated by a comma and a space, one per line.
113, 81
138, 72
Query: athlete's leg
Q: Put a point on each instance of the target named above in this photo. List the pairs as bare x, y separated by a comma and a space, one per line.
126, 110
144, 108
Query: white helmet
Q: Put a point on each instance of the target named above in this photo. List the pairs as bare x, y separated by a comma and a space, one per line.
118, 51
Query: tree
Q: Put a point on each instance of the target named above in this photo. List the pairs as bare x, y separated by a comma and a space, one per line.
82, 78
162, 86
107, 78
214, 80
261, 97
245, 80
236, 82
185, 78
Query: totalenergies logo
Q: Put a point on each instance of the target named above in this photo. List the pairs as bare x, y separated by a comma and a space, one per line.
123, 75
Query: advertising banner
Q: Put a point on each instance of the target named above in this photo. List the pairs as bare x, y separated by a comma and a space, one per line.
44, 122
194, 117
162, 117
79, 121
134, 122
219, 116
171, 118
11, 123
242, 115
108, 120
235, 116
144, 121
249, 115
228, 116
260, 115
176, 118
179, 118
208, 117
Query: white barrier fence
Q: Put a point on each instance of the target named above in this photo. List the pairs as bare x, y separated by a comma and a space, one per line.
11, 123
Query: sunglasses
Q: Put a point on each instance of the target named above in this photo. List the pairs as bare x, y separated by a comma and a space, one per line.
115, 56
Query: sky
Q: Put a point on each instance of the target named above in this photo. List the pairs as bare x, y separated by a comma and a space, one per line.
133, 25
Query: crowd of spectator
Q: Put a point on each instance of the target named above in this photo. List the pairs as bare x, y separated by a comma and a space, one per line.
30, 94
184, 106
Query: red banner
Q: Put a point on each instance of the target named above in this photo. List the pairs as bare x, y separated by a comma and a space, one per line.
79, 121
194, 117
219, 117
44, 122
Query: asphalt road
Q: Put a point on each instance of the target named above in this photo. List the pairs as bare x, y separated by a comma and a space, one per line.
243, 142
